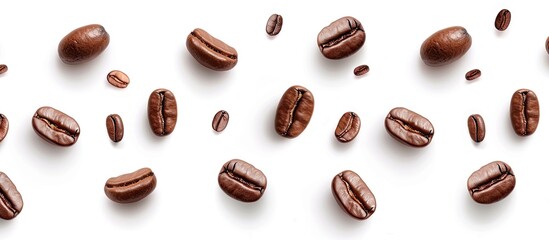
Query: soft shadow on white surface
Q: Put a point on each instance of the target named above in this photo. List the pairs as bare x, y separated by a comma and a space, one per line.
46, 150
339, 146
203, 75
130, 213
241, 211
485, 213
270, 126
73, 74
336, 219
397, 150
334, 70
439, 75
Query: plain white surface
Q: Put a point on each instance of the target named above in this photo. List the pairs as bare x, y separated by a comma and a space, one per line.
421, 193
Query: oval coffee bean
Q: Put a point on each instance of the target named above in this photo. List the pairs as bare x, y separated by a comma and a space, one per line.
55, 126
210, 51
83, 44
409, 127
491, 183
353, 195
242, 181
11, 202
294, 111
547, 45
115, 127
477, 130
445, 46
220, 121
4, 126
274, 25
131, 187
118, 79
348, 127
503, 19
361, 70
524, 112
162, 112
341, 38
3, 68
473, 74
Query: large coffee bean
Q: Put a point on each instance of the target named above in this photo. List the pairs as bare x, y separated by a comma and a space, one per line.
445, 46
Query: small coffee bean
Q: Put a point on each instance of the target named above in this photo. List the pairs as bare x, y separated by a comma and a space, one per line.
503, 19
210, 51
115, 127
4, 126
162, 112
524, 112
547, 45
347, 127
361, 70
477, 130
353, 195
131, 187
445, 46
473, 74
11, 202
3, 68
274, 25
491, 183
341, 38
242, 181
83, 44
118, 79
409, 127
220, 121
294, 111
55, 126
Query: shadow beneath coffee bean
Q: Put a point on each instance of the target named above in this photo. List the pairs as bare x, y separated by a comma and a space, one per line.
485, 213
336, 218
242, 211
47, 150
442, 74
270, 126
394, 149
334, 69
201, 74
339, 146
6, 225
131, 211
73, 73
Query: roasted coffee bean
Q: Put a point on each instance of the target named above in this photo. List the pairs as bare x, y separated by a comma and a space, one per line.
274, 25
115, 127
162, 112
242, 181
210, 51
361, 70
409, 127
524, 112
503, 19
348, 127
445, 46
353, 195
55, 126
83, 44
220, 121
341, 38
118, 79
4, 126
294, 111
11, 202
473, 74
491, 183
477, 129
131, 187
3, 68
547, 45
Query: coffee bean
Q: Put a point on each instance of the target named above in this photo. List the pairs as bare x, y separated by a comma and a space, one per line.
131, 187
547, 45
361, 70
341, 38
473, 74
409, 127
162, 112
477, 130
445, 46
83, 44
55, 126
11, 202
353, 195
4, 126
503, 19
274, 25
294, 111
115, 127
242, 181
118, 79
210, 51
3, 68
348, 127
220, 121
491, 183
524, 112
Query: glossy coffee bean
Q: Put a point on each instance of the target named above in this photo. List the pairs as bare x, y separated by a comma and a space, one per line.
477, 129
445, 46
3, 68
4, 126
83, 44
347, 127
210, 51
11, 202
294, 111
341, 38
115, 127
491, 183
274, 25
473, 74
131, 187
361, 70
353, 195
547, 45
408, 127
242, 181
118, 79
162, 112
503, 19
55, 126
220, 121
524, 112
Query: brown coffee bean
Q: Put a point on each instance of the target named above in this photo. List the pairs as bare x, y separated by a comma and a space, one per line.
477, 129
83, 44
348, 127
242, 181
131, 187
55, 126
162, 112
11, 202
547, 45
491, 183
445, 46
118, 79
210, 51
294, 111
503, 19
353, 195
274, 25
473, 74
3, 68
361, 70
4, 126
220, 121
409, 128
342, 38
524, 112
115, 127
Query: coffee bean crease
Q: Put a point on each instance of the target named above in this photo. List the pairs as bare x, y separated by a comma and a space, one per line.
127, 183
217, 50
407, 127
240, 179
56, 128
351, 32
504, 174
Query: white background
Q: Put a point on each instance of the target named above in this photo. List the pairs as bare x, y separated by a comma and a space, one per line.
421, 193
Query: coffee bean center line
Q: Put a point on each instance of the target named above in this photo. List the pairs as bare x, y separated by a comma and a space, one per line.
353, 195
6, 202
220, 119
408, 128
114, 124
232, 175
340, 38
217, 50
525, 110
123, 184
504, 174
116, 79
476, 128
291, 120
161, 112
56, 128
348, 126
